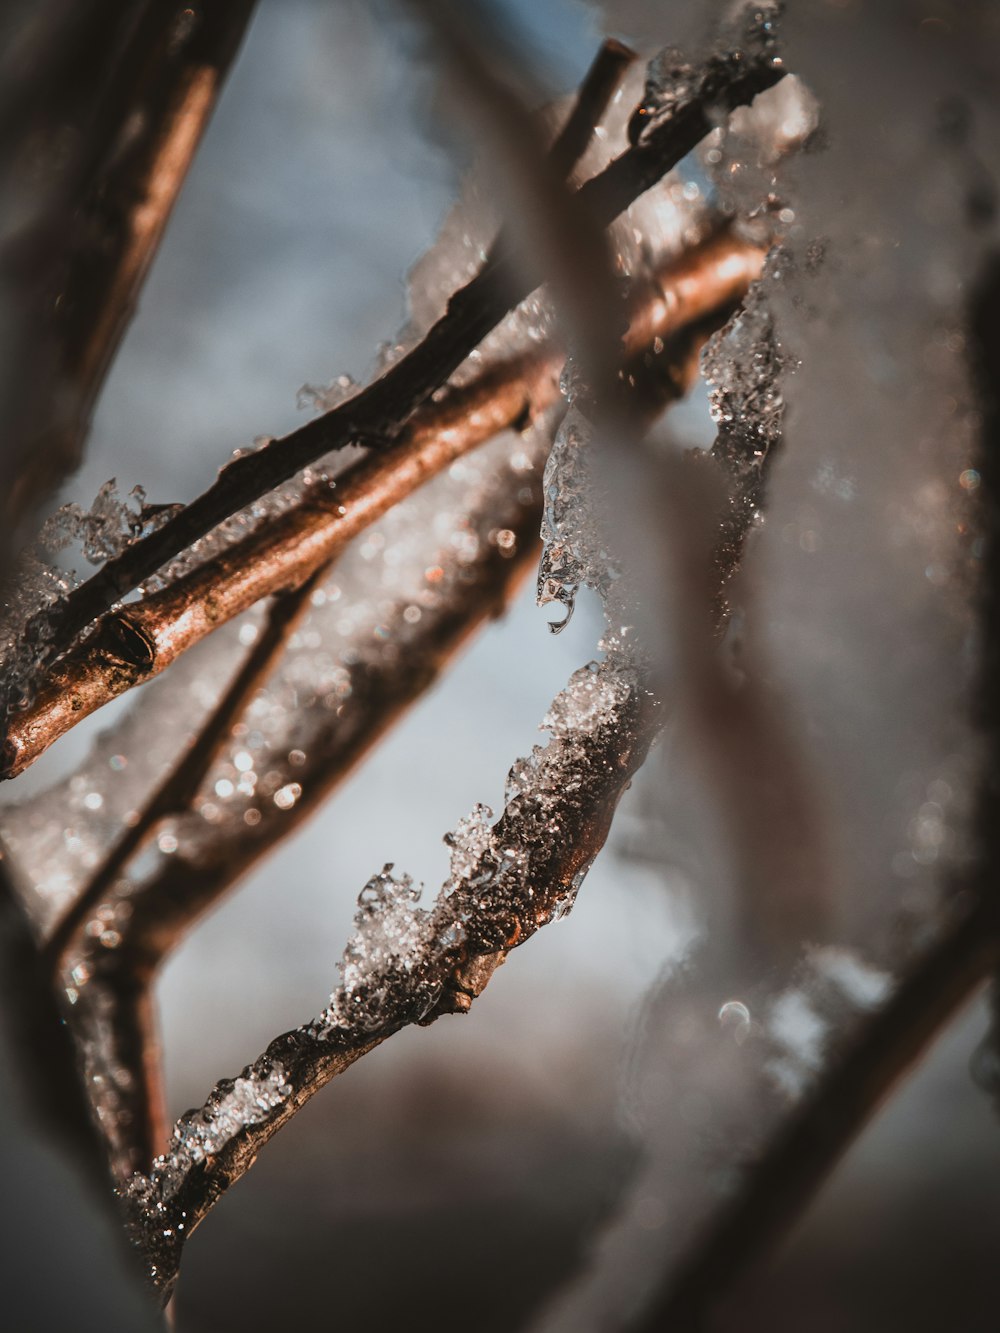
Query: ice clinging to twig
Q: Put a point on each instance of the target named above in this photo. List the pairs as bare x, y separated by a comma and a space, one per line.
408, 964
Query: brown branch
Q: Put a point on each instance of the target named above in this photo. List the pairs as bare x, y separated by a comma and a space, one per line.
179, 788
133, 646
377, 414
164, 907
136, 84
593, 97
123, 1037
161, 909
557, 829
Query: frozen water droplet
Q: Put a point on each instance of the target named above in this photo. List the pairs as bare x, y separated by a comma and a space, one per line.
734, 1018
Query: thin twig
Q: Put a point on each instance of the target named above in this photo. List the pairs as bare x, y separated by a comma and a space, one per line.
593, 97
179, 788
213, 1148
138, 643
377, 414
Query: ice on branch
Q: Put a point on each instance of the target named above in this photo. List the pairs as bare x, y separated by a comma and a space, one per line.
674, 82
407, 963
574, 553
40, 582
500, 886
743, 365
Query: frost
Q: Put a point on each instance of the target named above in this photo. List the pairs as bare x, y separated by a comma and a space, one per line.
592, 697
573, 553
322, 399
396, 964
235, 1105
674, 82
742, 364
39, 584
469, 844
385, 962
103, 530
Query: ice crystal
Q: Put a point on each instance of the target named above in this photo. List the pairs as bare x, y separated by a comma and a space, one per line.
573, 553
674, 82
40, 583
324, 399
199, 1135
394, 967
744, 365
386, 961
744, 158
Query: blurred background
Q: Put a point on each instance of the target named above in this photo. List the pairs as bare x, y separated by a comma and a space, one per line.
461, 1174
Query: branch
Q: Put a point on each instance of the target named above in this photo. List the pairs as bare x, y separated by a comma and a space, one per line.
410, 965
377, 414
155, 913
137, 85
179, 788
130, 647
779, 1185
114, 1017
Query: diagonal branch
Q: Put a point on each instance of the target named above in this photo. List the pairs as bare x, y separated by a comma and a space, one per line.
179, 788
132, 646
377, 414
409, 965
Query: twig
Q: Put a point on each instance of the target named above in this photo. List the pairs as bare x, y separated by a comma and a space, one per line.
491, 905
593, 97
137, 84
180, 786
136, 644
377, 414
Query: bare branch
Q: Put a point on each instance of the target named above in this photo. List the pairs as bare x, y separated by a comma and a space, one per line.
599, 85
179, 788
